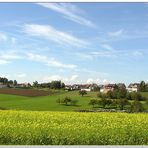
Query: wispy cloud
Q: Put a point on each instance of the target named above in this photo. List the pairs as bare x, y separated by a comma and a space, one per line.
107, 46
22, 75
2, 62
107, 51
69, 11
49, 61
3, 37
138, 54
116, 33
52, 34
8, 56
66, 80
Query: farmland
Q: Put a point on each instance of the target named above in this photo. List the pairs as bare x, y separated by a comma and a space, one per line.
44, 103
47, 103
71, 128
24, 92
39, 120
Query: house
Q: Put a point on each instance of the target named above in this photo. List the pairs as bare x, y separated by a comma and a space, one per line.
68, 87
22, 85
2, 85
108, 87
121, 86
133, 87
76, 87
88, 87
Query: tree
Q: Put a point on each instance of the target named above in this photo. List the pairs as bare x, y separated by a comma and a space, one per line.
15, 82
62, 85
110, 94
137, 106
122, 103
93, 102
114, 103
10, 82
99, 95
59, 101
55, 85
82, 92
128, 96
66, 100
104, 102
142, 86
122, 93
136, 96
35, 84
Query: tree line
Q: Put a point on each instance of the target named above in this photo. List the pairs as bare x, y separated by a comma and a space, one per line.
122, 94
52, 85
143, 86
5, 81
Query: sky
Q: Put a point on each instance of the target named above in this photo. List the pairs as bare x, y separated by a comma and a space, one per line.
74, 42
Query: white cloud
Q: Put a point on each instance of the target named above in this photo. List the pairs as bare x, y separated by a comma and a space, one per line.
89, 81
10, 56
137, 54
51, 78
49, 61
3, 37
52, 34
13, 40
116, 33
107, 46
69, 11
22, 75
2, 62
7, 56
66, 80
74, 77
105, 81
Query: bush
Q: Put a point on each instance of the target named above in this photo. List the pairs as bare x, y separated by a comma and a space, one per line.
67, 101
103, 102
74, 102
59, 100
137, 106
93, 102
122, 103
82, 92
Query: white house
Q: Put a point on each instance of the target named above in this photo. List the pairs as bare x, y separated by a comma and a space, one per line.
88, 87
108, 87
3, 85
133, 87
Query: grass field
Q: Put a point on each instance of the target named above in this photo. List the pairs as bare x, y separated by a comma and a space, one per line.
71, 128
47, 103
44, 103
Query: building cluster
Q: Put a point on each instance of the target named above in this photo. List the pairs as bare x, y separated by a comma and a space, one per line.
133, 87
21, 85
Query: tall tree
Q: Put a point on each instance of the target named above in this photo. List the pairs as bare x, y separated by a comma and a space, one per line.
142, 86
15, 82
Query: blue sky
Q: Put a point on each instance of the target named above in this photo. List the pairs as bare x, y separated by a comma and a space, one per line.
74, 42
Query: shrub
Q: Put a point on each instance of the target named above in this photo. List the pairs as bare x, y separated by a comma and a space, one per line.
74, 102
122, 103
93, 102
137, 106
82, 92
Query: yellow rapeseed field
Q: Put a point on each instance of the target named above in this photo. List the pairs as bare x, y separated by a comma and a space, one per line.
72, 128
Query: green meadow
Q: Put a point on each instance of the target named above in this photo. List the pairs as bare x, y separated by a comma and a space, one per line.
45, 103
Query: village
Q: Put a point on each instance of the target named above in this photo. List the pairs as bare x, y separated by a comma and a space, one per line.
132, 87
